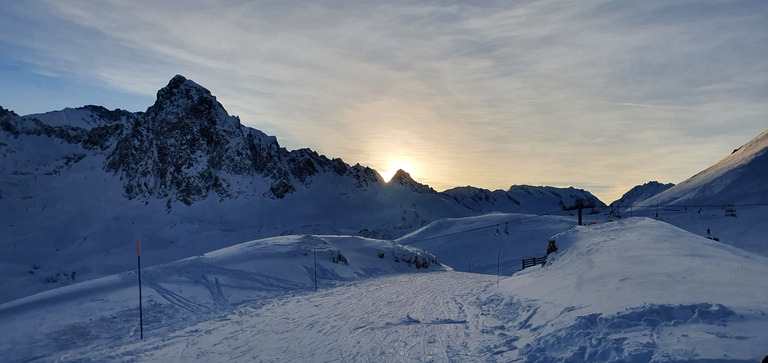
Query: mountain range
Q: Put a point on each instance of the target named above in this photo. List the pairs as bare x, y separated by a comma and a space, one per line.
186, 148
78, 185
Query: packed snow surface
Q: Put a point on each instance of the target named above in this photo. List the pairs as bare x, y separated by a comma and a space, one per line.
635, 290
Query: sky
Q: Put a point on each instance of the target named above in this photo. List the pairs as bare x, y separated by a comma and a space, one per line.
599, 95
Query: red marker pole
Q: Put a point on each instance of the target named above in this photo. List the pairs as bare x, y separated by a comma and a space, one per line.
141, 315
498, 266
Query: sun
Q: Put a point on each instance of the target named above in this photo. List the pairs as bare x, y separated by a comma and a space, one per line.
394, 166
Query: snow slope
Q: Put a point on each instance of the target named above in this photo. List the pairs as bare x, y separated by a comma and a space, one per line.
640, 193
471, 245
747, 230
643, 290
739, 178
195, 289
699, 204
637, 290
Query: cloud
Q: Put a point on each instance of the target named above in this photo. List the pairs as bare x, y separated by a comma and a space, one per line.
483, 93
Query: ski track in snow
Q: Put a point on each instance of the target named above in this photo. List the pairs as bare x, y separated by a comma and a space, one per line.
409, 317
398, 318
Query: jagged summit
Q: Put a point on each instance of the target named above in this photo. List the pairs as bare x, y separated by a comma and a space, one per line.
186, 146
180, 84
402, 177
183, 100
4, 111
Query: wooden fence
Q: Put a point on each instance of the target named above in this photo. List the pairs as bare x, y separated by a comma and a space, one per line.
533, 261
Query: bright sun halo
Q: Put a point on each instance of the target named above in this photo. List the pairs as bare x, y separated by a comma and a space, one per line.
394, 166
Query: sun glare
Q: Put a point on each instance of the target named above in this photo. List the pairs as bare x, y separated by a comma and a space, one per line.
394, 166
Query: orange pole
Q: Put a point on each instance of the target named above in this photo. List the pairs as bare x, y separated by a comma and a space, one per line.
141, 313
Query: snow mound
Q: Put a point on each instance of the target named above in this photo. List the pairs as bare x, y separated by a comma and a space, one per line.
642, 290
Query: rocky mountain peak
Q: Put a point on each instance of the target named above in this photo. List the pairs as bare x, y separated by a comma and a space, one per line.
402, 177
181, 86
183, 147
186, 147
4, 111
183, 100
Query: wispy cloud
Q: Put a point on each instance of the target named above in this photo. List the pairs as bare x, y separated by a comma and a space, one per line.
484, 93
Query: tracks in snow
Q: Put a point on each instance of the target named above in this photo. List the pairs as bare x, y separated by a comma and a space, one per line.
407, 317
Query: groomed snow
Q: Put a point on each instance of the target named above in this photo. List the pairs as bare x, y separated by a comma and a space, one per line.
635, 290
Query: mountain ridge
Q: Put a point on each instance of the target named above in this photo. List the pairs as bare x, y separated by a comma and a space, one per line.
185, 147
189, 160
640, 193
738, 178
521, 198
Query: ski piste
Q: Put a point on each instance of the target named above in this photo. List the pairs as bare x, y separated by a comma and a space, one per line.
633, 290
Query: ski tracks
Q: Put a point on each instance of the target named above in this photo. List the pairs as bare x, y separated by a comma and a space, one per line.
402, 318
412, 321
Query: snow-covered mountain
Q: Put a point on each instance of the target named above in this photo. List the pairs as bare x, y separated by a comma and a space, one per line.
739, 178
401, 177
700, 204
186, 147
640, 193
522, 199
78, 185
